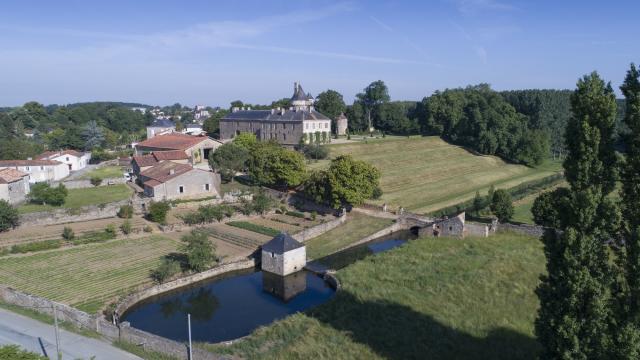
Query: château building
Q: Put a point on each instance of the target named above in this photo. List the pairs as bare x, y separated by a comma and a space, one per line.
300, 123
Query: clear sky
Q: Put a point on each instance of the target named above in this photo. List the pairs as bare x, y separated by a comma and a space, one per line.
212, 52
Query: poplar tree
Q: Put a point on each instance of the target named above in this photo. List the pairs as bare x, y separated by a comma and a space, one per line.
628, 317
573, 321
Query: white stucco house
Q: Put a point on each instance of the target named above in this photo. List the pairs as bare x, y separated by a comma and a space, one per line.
38, 170
75, 160
283, 255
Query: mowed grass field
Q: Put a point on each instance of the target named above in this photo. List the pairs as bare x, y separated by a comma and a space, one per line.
441, 298
426, 174
522, 208
82, 197
105, 172
87, 277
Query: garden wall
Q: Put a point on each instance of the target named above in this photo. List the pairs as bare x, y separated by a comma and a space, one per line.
84, 183
531, 230
319, 229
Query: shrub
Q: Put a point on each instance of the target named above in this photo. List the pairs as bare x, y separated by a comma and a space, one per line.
68, 234
316, 152
314, 215
164, 271
43, 193
501, 205
254, 227
36, 246
110, 231
94, 237
199, 251
296, 214
125, 212
125, 227
96, 180
8, 216
377, 193
147, 229
158, 212
14, 352
262, 202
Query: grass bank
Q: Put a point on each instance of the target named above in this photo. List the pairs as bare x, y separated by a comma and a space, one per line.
430, 299
357, 227
78, 198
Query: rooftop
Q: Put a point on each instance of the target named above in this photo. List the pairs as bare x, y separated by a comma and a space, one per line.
274, 115
11, 175
6, 163
164, 123
47, 155
173, 141
164, 171
282, 243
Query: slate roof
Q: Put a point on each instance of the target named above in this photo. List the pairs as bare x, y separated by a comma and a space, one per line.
173, 141
6, 163
163, 123
162, 172
11, 175
51, 154
282, 243
268, 115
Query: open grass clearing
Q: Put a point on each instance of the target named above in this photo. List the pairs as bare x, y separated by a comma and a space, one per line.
87, 277
355, 228
104, 172
78, 198
522, 208
438, 298
425, 174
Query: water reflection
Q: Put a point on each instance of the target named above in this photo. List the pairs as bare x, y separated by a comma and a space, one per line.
284, 288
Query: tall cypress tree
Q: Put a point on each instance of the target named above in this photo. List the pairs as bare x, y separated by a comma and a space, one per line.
628, 317
574, 317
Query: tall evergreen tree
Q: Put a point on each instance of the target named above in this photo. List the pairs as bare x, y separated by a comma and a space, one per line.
574, 317
628, 317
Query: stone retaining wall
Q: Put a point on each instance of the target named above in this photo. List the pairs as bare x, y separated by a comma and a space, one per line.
319, 229
476, 229
531, 230
85, 183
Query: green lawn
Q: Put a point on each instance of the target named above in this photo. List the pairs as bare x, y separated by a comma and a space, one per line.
522, 207
104, 172
430, 299
357, 227
82, 197
424, 174
90, 276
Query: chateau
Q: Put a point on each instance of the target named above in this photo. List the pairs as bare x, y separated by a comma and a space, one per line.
300, 123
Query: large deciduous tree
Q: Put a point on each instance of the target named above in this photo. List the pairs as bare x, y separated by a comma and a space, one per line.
228, 159
372, 97
270, 164
331, 104
573, 321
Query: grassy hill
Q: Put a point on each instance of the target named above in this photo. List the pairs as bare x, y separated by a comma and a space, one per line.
426, 174
431, 299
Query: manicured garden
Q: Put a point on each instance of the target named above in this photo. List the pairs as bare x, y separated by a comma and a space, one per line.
440, 298
78, 198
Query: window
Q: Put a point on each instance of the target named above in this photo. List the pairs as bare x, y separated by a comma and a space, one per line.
306, 126
206, 187
284, 137
180, 189
273, 255
314, 125
326, 125
41, 167
27, 168
67, 158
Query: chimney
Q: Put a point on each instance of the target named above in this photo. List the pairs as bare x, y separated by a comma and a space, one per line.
273, 111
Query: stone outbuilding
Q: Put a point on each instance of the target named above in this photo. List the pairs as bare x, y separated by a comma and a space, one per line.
169, 180
197, 148
342, 123
283, 255
448, 227
14, 186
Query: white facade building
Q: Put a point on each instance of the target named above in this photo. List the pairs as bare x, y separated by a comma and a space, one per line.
38, 170
74, 160
160, 127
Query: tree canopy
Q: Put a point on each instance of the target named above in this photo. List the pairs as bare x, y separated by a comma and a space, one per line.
271, 164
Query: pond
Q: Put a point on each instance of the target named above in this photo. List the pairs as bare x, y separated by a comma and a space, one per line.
231, 306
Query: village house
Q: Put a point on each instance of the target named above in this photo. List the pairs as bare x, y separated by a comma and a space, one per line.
75, 160
160, 126
14, 186
38, 170
300, 123
169, 180
140, 163
283, 255
197, 148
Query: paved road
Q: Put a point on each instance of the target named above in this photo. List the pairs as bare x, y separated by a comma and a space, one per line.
40, 338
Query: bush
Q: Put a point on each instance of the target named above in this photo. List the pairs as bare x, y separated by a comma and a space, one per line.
315, 152
99, 155
125, 212
68, 234
158, 212
314, 215
501, 205
200, 252
261, 203
43, 193
8, 216
377, 193
254, 227
96, 180
110, 231
36, 246
296, 214
147, 229
94, 237
125, 227
164, 271
14, 352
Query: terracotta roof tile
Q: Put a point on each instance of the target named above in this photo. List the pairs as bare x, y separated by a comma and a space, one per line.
170, 155
165, 170
145, 160
7, 163
51, 154
11, 175
173, 141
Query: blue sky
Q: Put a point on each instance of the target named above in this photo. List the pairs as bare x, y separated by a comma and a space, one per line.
213, 52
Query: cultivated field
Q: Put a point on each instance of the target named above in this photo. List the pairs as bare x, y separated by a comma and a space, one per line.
82, 197
90, 276
426, 174
439, 298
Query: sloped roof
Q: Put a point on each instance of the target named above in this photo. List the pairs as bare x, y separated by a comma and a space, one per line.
170, 155
165, 170
299, 94
282, 243
5, 163
51, 154
163, 123
173, 141
145, 160
277, 116
11, 175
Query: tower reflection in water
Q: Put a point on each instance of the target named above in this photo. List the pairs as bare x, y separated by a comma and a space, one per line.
284, 288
